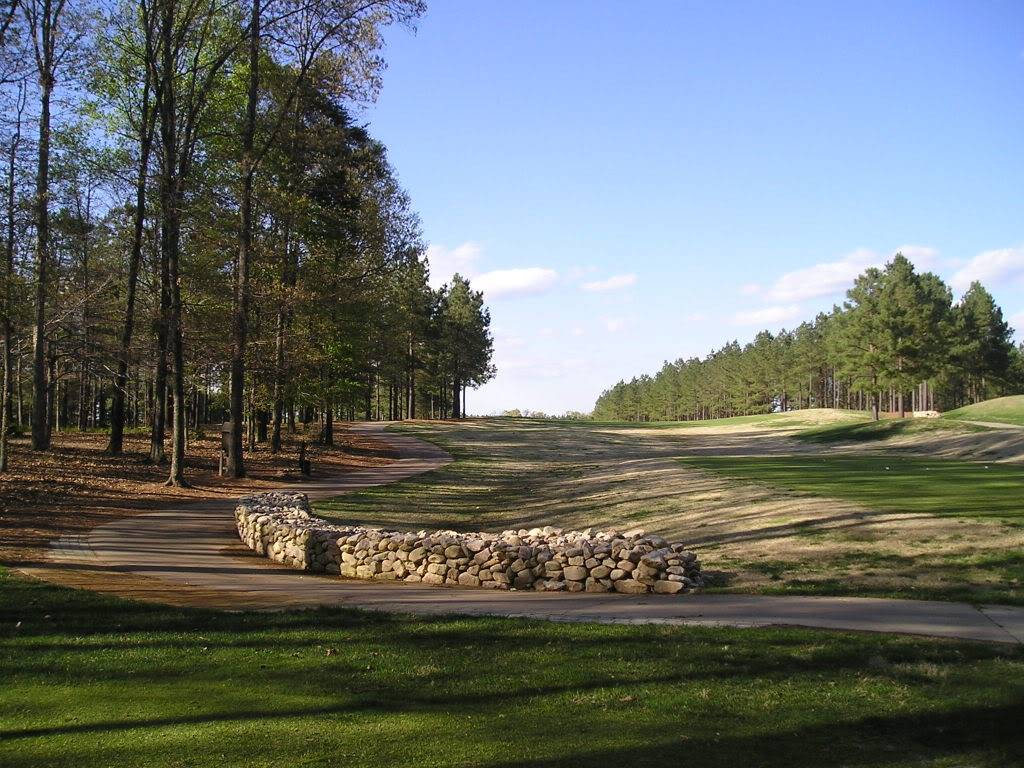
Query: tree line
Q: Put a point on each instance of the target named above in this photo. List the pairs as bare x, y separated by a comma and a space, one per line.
897, 343
195, 228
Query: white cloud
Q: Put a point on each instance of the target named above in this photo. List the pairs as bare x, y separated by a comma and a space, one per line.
829, 278
577, 331
767, 315
613, 283
750, 289
445, 262
823, 279
506, 282
463, 259
1016, 322
991, 268
923, 257
614, 324
509, 342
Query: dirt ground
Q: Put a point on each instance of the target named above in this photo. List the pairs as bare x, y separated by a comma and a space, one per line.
77, 486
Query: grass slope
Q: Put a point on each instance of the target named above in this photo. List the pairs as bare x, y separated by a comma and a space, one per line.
885, 429
95, 681
889, 483
809, 417
932, 489
1004, 410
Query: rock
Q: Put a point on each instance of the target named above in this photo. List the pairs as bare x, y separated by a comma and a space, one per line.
646, 570
279, 526
668, 587
574, 573
630, 587
522, 580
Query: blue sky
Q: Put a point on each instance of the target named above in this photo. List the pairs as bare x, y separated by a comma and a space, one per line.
635, 182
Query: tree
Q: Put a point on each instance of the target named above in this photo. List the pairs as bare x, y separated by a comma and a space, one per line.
896, 333
8, 278
982, 341
55, 32
466, 339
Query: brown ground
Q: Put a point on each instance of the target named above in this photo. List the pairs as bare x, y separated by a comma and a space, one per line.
76, 486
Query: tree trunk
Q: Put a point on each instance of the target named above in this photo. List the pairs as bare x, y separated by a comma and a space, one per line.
116, 444
240, 326
411, 405
40, 431
7, 385
328, 438
288, 278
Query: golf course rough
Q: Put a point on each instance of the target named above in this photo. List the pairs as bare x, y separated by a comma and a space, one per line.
279, 525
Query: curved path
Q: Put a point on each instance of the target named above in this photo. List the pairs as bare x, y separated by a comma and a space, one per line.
190, 554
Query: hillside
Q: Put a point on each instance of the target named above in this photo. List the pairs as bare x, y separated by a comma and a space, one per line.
1002, 410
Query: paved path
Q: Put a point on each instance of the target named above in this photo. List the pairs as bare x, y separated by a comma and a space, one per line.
191, 554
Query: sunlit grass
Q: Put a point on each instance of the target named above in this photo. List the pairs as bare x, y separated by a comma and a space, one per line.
1007, 410
891, 483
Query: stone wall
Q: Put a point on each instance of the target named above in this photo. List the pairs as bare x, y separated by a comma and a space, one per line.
279, 525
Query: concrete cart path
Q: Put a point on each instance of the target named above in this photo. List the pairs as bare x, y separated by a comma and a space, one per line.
190, 554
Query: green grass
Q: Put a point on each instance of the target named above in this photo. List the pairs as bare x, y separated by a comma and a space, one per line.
988, 572
1005, 410
890, 483
872, 431
788, 420
96, 681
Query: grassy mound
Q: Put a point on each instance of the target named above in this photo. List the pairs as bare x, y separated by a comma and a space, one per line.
1003, 410
869, 431
807, 417
890, 483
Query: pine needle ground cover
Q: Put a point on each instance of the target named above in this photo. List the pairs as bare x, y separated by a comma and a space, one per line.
97, 681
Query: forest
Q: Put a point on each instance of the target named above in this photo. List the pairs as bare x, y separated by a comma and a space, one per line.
898, 343
197, 228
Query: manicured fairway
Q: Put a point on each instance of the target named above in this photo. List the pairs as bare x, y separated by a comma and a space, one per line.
94, 681
891, 483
